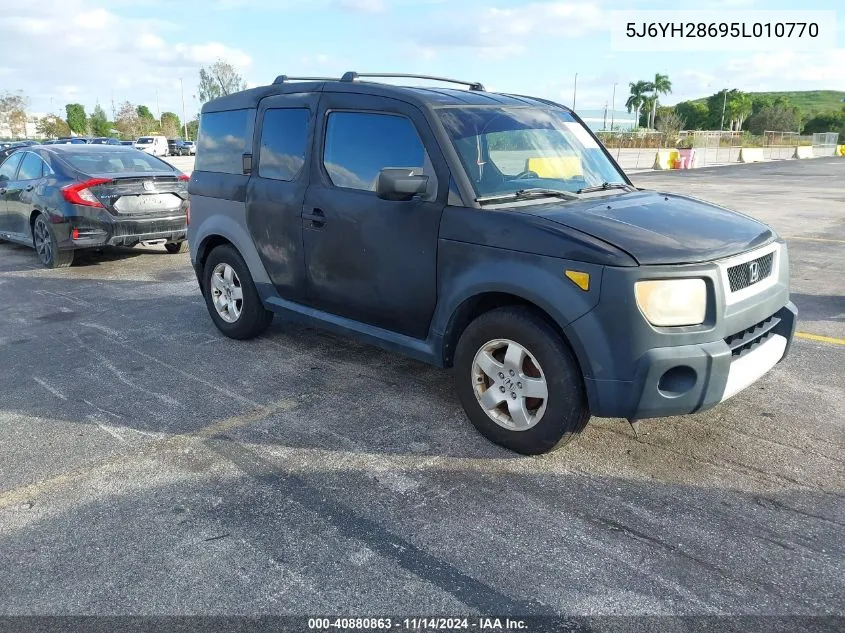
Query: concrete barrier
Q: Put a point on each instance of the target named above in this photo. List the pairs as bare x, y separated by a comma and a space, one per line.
666, 158
751, 155
803, 151
840, 150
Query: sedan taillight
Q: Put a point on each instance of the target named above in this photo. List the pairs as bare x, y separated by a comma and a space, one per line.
79, 192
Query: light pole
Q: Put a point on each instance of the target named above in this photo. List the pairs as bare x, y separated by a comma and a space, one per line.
184, 120
612, 106
574, 90
724, 103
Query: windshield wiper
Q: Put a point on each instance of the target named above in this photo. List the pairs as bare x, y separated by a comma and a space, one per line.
527, 194
605, 186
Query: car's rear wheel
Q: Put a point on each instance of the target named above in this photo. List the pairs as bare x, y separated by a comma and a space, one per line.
518, 381
231, 297
176, 247
46, 245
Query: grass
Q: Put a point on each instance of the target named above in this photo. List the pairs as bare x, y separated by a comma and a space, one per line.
808, 101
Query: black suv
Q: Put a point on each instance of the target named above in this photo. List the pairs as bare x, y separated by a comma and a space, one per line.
492, 233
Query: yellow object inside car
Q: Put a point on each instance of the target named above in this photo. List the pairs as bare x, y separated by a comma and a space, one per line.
563, 167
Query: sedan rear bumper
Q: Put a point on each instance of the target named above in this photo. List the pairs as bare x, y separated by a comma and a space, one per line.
90, 233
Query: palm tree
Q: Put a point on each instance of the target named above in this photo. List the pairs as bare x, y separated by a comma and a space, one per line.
660, 86
639, 91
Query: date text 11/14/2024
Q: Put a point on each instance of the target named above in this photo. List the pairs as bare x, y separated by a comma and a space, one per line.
417, 624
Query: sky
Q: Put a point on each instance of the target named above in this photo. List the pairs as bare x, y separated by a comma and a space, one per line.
90, 51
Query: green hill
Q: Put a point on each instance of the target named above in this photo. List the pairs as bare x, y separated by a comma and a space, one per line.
808, 101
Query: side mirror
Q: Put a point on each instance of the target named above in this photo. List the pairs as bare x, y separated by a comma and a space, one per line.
247, 164
400, 184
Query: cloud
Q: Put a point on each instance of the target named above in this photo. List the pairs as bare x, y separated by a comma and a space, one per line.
508, 30
102, 52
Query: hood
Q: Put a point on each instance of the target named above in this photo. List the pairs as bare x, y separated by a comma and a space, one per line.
661, 228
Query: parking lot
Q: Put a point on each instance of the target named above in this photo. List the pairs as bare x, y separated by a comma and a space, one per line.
148, 465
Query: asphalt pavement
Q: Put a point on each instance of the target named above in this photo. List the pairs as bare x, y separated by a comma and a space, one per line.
150, 466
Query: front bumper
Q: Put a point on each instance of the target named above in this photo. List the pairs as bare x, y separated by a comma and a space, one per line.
634, 370
691, 378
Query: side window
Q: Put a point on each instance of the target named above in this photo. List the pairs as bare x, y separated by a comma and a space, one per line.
284, 136
359, 145
223, 139
10, 166
30, 167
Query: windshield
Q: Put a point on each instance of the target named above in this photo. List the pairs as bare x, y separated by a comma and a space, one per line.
145, 140
514, 149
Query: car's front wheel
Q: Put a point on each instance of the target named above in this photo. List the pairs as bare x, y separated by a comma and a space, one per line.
46, 245
231, 297
518, 381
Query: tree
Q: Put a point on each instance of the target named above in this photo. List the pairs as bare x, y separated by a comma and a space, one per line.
736, 106
193, 129
637, 98
127, 121
171, 126
52, 126
825, 122
76, 119
660, 86
668, 123
17, 123
218, 80
694, 113
773, 118
147, 123
10, 104
99, 123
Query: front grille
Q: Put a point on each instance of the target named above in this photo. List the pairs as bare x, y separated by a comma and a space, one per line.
749, 273
744, 341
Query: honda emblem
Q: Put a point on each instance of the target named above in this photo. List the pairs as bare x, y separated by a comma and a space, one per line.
753, 272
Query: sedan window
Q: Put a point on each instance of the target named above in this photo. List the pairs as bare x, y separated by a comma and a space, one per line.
10, 166
30, 167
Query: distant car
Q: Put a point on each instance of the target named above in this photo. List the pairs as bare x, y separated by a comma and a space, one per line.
189, 148
173, 145
104, 140
6, 151
127, 142
63, 198
155, 145
72, 140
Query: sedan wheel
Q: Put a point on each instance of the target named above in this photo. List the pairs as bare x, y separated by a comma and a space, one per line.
44, 241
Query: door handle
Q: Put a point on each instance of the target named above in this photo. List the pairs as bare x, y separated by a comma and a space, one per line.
317, 217
29, 188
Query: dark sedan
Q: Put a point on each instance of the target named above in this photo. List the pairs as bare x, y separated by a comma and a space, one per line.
61, 198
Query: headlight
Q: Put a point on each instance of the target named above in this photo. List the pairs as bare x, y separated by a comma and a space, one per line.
669, 302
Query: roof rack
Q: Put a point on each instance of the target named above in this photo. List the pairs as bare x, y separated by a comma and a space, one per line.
283, 78
353, 76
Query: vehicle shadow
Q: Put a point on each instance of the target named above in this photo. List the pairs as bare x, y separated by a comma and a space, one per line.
820, 307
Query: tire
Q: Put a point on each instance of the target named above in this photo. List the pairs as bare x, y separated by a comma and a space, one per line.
538, 353
176, 247
46, 246
239, 318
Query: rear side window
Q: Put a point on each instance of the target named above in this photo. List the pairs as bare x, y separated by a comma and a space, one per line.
284, 136
10, 166
223, 139
30, 167
111, 162
360, 144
